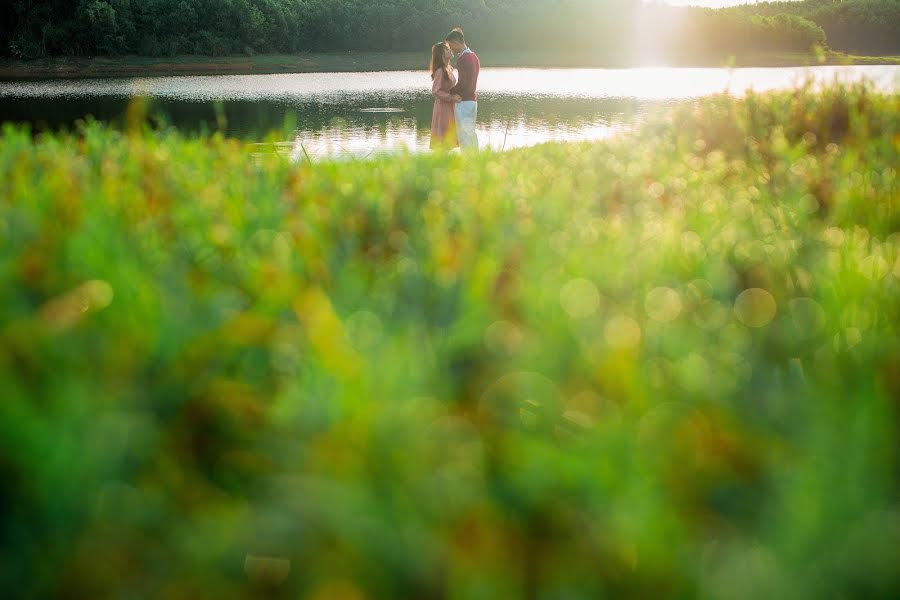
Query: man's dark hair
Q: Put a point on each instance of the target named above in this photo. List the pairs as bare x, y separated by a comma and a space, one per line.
457, 36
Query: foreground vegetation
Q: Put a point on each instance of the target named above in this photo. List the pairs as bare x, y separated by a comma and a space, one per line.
615, 31
664, 365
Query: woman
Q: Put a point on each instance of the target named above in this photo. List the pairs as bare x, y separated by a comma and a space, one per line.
443, 119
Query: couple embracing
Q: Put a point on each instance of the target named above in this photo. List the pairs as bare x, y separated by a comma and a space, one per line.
455, 97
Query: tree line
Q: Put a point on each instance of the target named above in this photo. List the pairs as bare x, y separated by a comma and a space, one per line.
602, 30
858, 26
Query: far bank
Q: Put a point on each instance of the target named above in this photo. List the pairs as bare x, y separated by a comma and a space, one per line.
350, 62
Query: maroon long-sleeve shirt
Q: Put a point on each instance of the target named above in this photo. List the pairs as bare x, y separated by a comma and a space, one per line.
468, 66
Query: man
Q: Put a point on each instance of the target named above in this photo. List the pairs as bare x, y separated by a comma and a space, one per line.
465, 91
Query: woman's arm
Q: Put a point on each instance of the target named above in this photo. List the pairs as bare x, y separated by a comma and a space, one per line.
437, 87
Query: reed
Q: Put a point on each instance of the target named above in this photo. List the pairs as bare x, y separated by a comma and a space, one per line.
661, 365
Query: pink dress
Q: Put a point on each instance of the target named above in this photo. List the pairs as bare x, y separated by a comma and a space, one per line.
443, 119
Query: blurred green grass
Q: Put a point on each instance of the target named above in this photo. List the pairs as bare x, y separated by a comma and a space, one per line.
665, 365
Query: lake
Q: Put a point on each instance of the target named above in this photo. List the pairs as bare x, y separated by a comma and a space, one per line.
359, 114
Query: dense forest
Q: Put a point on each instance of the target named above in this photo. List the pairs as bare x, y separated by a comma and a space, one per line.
609, 29
861, 26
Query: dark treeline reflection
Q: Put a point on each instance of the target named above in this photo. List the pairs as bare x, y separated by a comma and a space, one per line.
611, 30
254, 120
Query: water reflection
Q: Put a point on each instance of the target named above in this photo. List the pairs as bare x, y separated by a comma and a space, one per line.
501, 130
646, 83
364, 125
360, 114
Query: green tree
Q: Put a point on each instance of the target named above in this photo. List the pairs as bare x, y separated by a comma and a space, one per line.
605, 29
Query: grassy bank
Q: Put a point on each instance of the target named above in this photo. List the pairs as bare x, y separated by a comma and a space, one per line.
802, 59
371, 61
663, 365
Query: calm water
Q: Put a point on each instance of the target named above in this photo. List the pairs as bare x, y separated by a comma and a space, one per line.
365, 113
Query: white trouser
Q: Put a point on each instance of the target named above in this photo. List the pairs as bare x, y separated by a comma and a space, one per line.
466, 113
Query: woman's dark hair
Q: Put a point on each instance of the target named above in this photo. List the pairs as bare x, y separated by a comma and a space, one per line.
457, 36
437, 59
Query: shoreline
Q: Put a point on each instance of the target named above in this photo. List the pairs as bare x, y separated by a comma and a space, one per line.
354, 62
